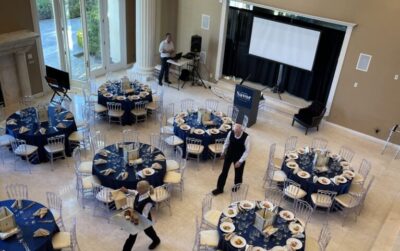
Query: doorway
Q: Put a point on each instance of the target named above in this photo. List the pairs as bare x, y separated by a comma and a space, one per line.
83, 37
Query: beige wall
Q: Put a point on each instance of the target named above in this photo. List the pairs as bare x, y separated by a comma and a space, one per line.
130, 31
374, 103
16, 15
189, 24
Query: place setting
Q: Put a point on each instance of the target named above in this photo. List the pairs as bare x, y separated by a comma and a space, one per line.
259, 225
125, 164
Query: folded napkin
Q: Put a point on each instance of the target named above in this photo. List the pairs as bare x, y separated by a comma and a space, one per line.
226, 219
298, 236
229, 236
41, 233
60, 125
315, 179
137, 161
156, 166
123, 175
107, 172
103, 152
222, 129
159, 157
100, 161
270, 230
11, 122
69, 116
23, 129
42, 130
41, 212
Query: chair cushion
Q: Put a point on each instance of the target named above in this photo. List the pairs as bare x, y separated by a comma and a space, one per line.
311, 244
86, 167
212, 217
152, 106
172, 177
76, 136
172, 165
321, 200
209, 238
279, 176
61, 240
213, 148
358, 178
291, 192
160, 194
138, 112
54, 148
277, 163
5, 140
87, 182
356, 188
115, 113
29, 150
99, 108
344, 200
173, 140
194, 149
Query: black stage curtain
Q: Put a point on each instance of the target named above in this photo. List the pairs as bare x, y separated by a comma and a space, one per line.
314, 85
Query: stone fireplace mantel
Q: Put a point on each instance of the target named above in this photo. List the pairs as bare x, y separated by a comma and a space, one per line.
14, 75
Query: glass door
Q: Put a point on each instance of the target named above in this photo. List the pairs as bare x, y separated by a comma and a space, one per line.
75, 40
94, 21
50, 33
83, 37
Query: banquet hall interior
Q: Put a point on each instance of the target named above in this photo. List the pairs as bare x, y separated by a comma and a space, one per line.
89, 113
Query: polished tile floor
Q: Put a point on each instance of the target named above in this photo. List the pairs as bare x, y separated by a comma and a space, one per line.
177, 231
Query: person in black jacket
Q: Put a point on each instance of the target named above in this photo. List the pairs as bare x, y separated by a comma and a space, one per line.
235, 151
142, 204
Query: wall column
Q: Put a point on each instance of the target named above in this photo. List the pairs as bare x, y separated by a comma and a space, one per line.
145, 39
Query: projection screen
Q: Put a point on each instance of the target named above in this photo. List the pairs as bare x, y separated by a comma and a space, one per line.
284, 43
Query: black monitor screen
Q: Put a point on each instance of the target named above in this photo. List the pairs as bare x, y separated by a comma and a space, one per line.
62, 77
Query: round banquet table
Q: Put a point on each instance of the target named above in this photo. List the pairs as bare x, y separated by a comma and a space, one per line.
28, 118
116, 162
244, 227
29, 224
111, 92
305, 162
207, 137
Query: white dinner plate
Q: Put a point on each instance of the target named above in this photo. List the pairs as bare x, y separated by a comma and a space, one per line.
198, 131
324, 181
286, 215
184, 127
296, 228
238, 241
148, 171
292, 165
340, 179
246, 205
294, 243
230, 212
304, 174
214, 131
227, 227
267, 205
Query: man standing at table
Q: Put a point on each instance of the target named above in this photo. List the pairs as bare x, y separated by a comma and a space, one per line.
166, 51
235, 150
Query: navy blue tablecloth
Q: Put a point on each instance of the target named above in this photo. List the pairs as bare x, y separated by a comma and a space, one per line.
28, 225
115, 161
127, 104
244, 227
305, 162
192, 121
28, 118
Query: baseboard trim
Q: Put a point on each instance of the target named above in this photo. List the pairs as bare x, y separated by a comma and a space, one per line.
360, 134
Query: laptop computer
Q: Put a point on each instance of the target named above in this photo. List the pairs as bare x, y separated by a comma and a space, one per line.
177, 56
